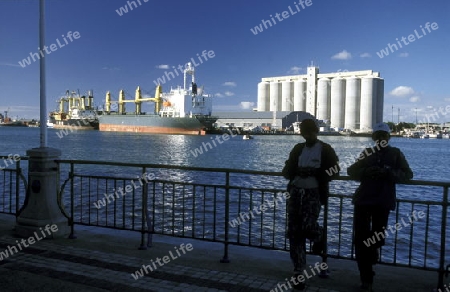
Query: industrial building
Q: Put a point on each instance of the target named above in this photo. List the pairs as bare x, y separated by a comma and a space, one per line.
342, 100
264, 120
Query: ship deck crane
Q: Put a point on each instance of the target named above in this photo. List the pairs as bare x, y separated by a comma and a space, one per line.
157, 99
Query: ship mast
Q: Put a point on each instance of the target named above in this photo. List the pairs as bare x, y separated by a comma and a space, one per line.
188, 70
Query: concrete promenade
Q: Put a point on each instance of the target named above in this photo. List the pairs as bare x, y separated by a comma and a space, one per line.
104, 260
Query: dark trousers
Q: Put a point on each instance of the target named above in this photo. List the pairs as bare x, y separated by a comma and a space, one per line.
369, 236
303, 213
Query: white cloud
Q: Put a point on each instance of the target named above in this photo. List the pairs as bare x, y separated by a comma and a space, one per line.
218, 95
414, 98
229, 93
294, 70
365, 55
402, 91
403, 55
164, 67
111, 68
229, 83
247, 104
344, 55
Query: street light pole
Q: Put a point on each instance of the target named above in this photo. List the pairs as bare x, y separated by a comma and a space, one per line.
41, 207
43, 99
392, 113
416, 116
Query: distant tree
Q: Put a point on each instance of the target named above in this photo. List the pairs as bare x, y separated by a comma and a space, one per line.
392, 126
402, 126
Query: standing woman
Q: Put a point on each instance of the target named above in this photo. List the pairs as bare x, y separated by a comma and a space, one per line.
309, 169
378, 169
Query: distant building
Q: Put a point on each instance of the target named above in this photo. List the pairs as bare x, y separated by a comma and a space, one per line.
251, 120
343, 100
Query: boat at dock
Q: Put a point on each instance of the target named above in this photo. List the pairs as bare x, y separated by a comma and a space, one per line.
182, 110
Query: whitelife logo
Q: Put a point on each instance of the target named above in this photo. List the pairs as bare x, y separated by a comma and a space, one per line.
165, 260
245, 216
205, 145
285, 15
10, 161
11, 250
335, 169
206, 55
300, 278
378, 236
124, 9
411, 38
37, 56
109, 198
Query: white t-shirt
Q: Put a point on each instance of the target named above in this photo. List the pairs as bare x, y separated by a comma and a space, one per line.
310, 157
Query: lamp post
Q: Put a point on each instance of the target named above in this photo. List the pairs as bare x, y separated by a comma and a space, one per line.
42, 96
41, 207
416, 116
392, 113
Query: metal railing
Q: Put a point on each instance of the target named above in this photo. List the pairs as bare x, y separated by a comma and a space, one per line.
12, 184
235, 207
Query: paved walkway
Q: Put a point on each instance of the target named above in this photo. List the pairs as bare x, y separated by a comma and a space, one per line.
104, 260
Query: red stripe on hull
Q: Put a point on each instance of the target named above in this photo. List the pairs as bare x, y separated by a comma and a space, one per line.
152, 130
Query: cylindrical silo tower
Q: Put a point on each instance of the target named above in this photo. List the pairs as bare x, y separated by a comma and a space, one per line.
263, 96
299, 95
323, 99
352, 103
368, 110
287, 95
337, 111
380, 101
275, 96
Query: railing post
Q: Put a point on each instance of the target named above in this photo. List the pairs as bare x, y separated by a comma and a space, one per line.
227, 217
442, 270
72, 221
143, 246
18, 173
325, 273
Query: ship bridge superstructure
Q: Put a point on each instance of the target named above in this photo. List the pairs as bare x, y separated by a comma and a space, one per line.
179, 102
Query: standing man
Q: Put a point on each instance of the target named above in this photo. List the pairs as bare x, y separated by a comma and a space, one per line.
306, 170
378, 169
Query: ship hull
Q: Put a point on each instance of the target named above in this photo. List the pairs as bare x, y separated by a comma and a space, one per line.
153, 124
80, 124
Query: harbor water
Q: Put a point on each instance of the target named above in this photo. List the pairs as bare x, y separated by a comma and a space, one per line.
428, 158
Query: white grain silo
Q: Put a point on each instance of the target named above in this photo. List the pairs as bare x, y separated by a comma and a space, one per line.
368, 110
287, 95
337, 111
323, 99
275, 96
311, 96
352, 103
380, 100
299, 95
263, 96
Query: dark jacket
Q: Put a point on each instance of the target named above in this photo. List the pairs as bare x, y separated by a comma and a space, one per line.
378, 170
329, 168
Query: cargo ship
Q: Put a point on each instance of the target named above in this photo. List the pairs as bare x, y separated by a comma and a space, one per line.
183, 110
74, 112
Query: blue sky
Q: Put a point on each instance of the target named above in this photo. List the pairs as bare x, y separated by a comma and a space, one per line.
114, 52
